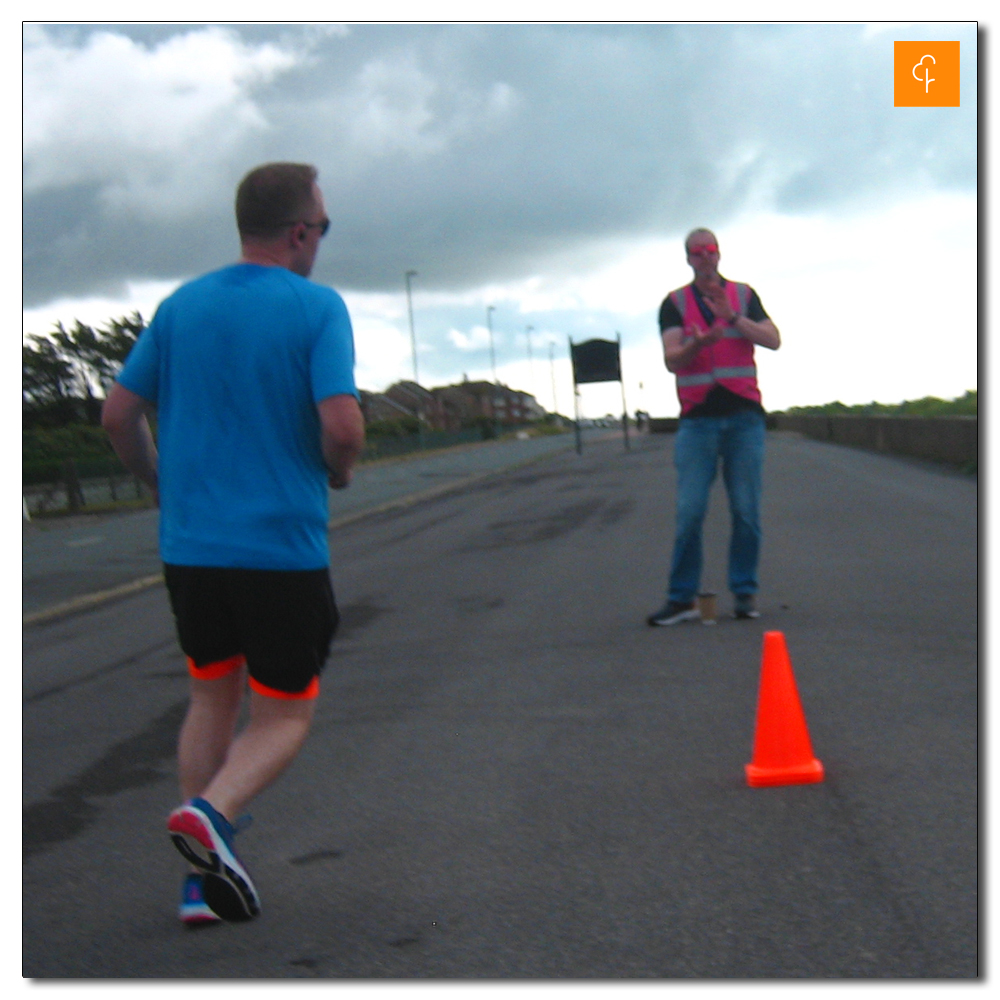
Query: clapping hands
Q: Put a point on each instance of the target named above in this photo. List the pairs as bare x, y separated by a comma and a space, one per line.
716, 300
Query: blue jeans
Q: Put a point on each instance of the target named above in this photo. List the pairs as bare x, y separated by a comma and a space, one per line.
739, 441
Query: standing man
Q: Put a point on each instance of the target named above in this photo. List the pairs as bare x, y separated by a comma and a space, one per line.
250, 371
709, 330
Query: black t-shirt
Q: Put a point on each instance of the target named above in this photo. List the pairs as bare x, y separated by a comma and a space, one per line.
720, 401
670, 315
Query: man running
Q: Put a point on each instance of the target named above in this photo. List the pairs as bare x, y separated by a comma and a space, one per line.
250, 373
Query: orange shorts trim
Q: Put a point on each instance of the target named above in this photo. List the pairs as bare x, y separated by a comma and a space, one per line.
311, 691
213, 671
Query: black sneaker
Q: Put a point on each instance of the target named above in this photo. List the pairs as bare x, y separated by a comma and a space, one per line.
673, 613
745, 607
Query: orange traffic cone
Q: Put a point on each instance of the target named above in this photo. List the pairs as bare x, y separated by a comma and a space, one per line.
782, 753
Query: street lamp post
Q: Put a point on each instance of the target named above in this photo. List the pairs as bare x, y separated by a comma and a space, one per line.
621, 381
493, 364
413, 338
489, 326
413, 345
552, 370
531, 360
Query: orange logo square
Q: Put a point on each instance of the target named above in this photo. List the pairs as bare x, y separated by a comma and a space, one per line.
926, 75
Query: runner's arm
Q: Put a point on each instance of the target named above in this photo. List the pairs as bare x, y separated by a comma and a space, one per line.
342, 429
124, 417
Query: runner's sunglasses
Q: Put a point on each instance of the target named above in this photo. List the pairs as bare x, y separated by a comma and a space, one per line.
321, 226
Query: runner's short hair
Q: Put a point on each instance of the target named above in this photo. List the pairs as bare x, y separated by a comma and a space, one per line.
272, 195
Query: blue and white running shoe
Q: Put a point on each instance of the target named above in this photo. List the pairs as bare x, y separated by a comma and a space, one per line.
194, 911
205, 838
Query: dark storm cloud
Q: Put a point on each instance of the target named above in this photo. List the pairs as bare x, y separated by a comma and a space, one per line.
473, 154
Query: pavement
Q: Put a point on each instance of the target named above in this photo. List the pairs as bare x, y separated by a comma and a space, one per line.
512, 777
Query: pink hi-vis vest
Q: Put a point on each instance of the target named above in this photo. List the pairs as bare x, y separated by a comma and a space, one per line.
728, 362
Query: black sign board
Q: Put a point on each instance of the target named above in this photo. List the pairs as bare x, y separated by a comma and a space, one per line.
596, 361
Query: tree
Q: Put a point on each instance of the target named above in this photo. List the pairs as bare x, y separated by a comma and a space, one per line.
80, 347
65, 374
47, 382
118, 338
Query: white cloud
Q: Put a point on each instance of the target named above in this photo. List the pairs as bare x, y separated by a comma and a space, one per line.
476, 339
880, 305
381, 340
393, 105
139, 296
470, 152
389, 108
148, 124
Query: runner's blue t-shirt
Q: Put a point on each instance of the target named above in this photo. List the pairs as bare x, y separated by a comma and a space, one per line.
235, 363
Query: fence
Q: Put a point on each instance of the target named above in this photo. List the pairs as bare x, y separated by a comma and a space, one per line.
390, 445
77, 485
73, 485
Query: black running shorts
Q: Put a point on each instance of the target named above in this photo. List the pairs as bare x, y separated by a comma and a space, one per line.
279, 622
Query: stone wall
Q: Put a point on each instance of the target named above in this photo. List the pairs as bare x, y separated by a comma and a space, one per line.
940, 439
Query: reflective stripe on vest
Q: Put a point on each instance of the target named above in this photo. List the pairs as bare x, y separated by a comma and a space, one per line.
706, 378
729, 360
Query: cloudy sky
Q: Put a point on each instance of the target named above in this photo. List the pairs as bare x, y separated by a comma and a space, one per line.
550, 171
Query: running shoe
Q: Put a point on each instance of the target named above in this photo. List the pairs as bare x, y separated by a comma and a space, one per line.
673, 613
205, 838
194, 911
745, 607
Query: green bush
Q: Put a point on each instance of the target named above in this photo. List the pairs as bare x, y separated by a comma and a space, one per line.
930, 406
392, 428
53, 444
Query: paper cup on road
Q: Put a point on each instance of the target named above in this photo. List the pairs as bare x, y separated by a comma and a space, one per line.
706, 608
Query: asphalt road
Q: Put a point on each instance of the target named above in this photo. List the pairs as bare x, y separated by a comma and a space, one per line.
67, 560
511, 776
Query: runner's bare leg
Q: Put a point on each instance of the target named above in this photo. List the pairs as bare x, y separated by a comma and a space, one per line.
208, 730
275, 734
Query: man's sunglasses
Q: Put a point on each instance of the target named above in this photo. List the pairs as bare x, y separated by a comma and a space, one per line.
321, 226
701, 251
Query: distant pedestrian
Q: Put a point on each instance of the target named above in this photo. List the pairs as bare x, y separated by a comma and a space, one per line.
709, 329
250, 372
